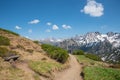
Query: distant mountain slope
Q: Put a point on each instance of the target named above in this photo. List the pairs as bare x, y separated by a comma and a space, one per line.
107, 46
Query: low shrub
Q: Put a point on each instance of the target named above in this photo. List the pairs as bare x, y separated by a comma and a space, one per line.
4, 41
93, 56
56, 53
78, 52
37, 42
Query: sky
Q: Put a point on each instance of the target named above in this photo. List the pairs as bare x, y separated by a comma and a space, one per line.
38, 19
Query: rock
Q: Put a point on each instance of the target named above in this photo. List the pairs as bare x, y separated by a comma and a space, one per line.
15, 57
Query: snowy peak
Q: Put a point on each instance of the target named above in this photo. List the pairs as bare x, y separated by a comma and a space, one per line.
96, 37
92, 37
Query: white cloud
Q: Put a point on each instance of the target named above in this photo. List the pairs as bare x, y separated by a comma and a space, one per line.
36, 21
18, 27
66, 26
93, 8
49, 23
48, 30
55, 27
30, 30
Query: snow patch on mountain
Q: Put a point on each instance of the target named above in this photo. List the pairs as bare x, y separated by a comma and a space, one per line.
96, 37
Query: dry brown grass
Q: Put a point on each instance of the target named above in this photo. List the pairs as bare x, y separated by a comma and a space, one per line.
19, 70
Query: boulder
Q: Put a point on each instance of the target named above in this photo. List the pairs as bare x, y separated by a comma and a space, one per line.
14, 57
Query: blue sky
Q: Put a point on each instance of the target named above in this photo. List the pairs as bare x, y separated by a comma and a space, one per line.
38, 19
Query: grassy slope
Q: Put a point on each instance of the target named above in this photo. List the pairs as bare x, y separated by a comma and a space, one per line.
44, 68
101, 73
89, 62
30, 53
95, 70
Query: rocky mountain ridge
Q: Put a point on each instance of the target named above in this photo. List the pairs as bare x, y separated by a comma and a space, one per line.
107, 46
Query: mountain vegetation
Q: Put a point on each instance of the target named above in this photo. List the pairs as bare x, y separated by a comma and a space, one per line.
4, 41
97, 70
93, 56
78, 52
56, 53
88, 55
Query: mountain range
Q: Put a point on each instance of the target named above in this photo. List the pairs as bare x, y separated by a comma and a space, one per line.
107, 46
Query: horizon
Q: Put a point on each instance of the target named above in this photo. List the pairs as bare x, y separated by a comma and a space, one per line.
38, 19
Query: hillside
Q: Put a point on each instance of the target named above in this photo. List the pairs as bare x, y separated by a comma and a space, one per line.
31, 62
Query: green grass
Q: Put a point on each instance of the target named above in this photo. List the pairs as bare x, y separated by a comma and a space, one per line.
100, 73
93, 57
4, 41
3, 51
43, 67
85, 60
95, 70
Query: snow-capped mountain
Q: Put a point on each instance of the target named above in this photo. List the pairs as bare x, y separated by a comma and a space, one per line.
95, 37
107, 46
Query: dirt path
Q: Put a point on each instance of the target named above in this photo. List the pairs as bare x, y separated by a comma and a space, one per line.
72, 73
